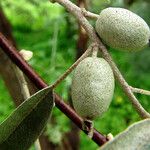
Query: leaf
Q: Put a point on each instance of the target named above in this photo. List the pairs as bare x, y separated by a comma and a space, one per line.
24, 125
136, 137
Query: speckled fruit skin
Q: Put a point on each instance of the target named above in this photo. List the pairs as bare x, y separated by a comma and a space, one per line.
92, 87
121, 29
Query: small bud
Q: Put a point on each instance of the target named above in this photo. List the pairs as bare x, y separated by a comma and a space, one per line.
110, 136
27, 55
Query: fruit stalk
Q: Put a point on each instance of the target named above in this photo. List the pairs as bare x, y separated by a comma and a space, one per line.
70, 69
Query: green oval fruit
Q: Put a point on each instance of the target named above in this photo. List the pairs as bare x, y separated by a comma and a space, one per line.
92, 87
121, 29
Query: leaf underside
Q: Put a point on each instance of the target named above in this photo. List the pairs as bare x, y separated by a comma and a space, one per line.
136, 137
25, 124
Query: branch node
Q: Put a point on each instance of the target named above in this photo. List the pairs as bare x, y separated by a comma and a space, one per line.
88, 14
109, 136
84, 12
88, 126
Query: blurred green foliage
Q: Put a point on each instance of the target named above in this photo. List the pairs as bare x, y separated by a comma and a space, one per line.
51, 33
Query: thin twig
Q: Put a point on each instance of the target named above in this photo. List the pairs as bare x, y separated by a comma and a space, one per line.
141, 91
77, 12
26, 94
89, 14
23, 84
85, 13
54, 46
70, 69
95, 51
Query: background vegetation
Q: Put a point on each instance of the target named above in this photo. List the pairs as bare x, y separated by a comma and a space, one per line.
44, 28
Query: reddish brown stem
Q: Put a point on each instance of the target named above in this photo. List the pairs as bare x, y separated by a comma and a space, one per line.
39, 83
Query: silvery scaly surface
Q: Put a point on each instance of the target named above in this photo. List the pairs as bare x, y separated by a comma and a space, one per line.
92, 87
121, 29
135, 137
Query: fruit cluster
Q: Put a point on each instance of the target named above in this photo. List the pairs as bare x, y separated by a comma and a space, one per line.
93, 80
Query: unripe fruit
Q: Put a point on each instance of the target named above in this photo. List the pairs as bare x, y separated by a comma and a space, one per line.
121, 29
92, 87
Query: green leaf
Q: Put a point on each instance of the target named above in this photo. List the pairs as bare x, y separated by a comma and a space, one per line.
137, 136
25, 124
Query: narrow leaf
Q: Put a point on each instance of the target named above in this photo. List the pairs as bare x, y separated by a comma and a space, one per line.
25, 124
137, 136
